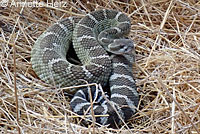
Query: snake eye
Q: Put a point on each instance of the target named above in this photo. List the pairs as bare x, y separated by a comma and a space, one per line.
121, 45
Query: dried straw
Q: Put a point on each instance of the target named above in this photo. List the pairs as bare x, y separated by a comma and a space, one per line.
167, 69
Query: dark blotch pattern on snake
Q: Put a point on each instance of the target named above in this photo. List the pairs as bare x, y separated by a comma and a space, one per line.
105, 53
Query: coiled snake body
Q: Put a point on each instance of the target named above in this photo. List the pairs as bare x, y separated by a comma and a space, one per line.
105, 55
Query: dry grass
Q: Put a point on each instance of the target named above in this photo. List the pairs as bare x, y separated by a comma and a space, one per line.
167, 69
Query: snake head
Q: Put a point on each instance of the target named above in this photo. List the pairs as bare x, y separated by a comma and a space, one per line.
121, 46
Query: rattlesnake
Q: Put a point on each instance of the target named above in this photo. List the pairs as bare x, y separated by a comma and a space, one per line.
105, 56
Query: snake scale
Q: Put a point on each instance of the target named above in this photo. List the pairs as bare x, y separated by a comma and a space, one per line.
105, 53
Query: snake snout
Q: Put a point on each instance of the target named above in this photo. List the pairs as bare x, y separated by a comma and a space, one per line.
121, 46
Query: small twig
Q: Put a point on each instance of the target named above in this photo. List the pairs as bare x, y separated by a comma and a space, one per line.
14, 60
92, 110
15, 87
